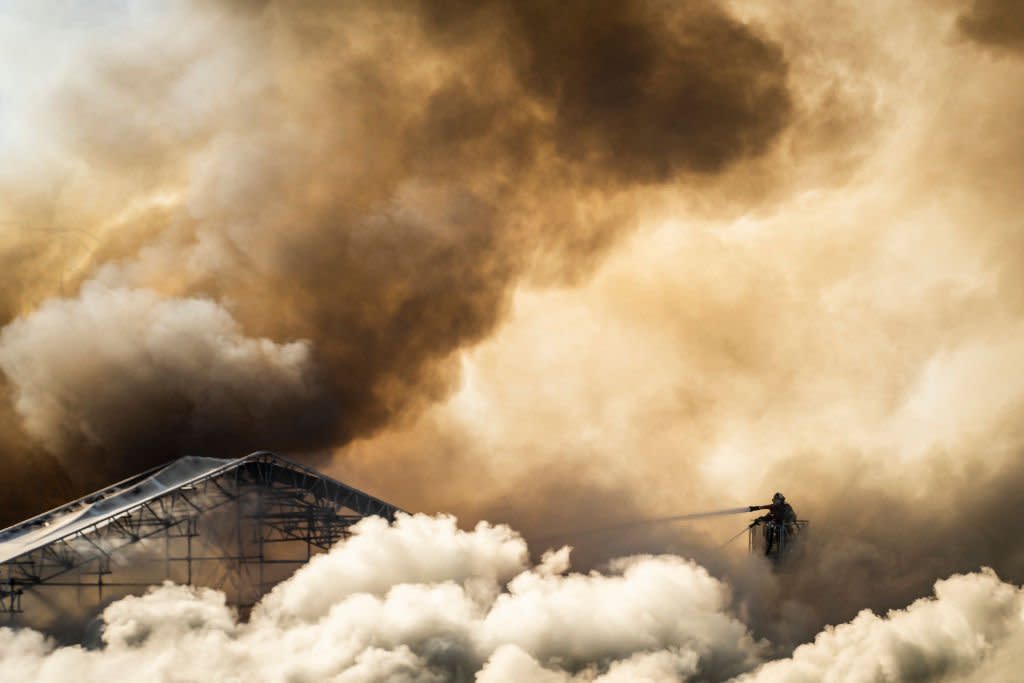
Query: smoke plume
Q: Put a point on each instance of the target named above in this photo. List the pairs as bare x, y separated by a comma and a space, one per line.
853, 342
559, 265
356, 187
424, 601
179, 368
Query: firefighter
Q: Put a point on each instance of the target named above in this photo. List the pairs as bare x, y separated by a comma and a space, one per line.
780, 517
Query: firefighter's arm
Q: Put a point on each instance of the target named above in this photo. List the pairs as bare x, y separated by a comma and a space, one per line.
759, 507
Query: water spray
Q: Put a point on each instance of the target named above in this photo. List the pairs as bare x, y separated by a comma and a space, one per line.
648, 521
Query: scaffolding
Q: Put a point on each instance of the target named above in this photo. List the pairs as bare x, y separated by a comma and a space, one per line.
239, 525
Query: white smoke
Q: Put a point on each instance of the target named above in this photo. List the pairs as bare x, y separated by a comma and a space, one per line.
419, 601
424, 601
972, 619
83, 368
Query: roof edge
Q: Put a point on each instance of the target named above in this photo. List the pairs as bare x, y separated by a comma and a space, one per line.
128, 482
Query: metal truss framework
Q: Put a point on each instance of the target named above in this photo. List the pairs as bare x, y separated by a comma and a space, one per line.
280, 501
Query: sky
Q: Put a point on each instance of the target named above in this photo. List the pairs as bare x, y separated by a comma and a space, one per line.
556, 266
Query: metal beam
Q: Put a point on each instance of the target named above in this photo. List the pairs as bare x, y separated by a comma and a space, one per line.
281, 501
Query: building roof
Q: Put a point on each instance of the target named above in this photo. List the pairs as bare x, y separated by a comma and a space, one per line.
92, 512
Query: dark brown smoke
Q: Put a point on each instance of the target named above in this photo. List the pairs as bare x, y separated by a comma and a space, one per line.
298, 212
639, 91
857, 345
308, 223
996, 23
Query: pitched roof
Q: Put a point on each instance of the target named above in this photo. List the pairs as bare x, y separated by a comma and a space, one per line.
92, 512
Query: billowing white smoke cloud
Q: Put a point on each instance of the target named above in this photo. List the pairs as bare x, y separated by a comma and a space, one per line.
419, 601
424, 601
83, 368
971, 619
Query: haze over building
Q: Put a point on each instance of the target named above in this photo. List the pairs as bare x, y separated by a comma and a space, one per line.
561, 265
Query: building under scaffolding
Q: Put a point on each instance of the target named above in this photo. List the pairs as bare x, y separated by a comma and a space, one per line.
239, 526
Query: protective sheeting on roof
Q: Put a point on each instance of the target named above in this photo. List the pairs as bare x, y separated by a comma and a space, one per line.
97, 508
